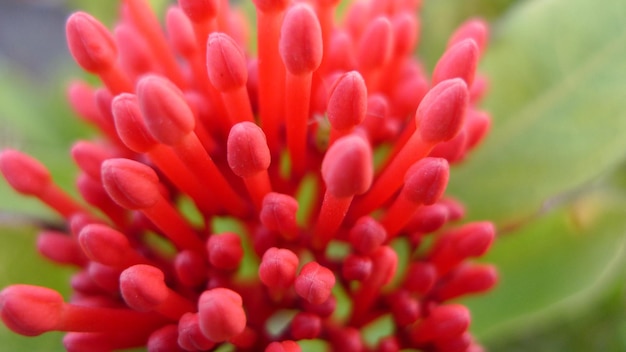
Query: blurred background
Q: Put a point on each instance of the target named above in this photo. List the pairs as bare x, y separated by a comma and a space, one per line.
551, 174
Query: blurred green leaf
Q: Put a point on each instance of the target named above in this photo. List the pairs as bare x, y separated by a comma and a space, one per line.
20, 263
441, 17
37, 120
599, 327
556, 264
557, 74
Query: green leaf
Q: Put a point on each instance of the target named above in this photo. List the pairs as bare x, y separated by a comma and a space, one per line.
554, 266
36, 119
440, 18
20, 263
557, 73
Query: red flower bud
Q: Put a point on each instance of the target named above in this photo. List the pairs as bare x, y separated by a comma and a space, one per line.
278, 268
347, 167
167, 114
476, 29
284, 346
443, 322
440, 115
314, 283
247, 153
356, 267
90, 43
306, 326
459, 61
221, 315
225, 251
131, 184
200, 10
468, 280
348, 101
24, 173
300, 43
60, 248
190, 337
226, 63
164, 340
367, 235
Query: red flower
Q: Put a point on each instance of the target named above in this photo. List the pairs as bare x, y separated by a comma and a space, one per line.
282, 147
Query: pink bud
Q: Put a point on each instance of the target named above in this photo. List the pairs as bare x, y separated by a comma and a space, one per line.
347, 167
459, 61
340, 53
247, 150
453, 150
478, 125
90, 43
406, 32
190, 337
200, 10
306, 326
379, 128
420, 277
440, 114
426, 180
456, 210
135, 55
347, 104
60, 248
24, 173
405, 309
107, 277
314, 283
473, 240
300, 43
30, 310
106, 246
347, 339
283, 346
143, 287
181, 32
476, 29
468, 280
428, 219
131, 184
443, 322
278, 268
81, 98
245, 340
190, 268
278, 213
367, 235
165, 110
130, 125
225, 251
226, 63
89, 157
221, 314
460, 343
356, 267
376, 44
164, 339
324, 310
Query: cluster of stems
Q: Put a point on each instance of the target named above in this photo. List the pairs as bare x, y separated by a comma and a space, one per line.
262, 201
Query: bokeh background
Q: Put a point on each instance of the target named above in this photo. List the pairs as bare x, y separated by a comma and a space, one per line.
551, 175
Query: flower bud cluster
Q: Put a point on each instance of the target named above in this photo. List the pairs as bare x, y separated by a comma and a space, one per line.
280, 146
